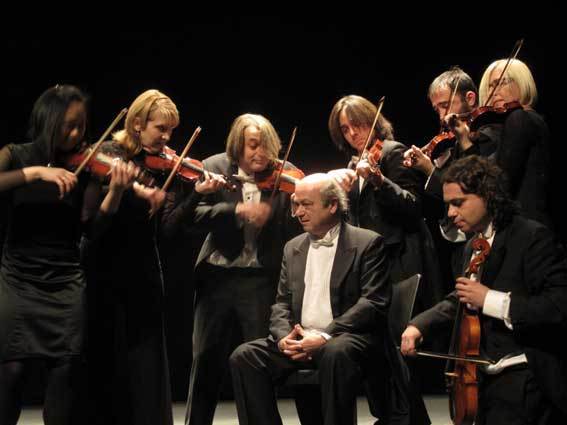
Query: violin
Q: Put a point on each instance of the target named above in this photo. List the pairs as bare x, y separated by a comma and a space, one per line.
372, 155
435, 147
461, 380
100, 164
266, 180
190, 170
486, 115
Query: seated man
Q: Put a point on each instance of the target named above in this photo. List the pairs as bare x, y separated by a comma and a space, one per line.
330, 312
520, 294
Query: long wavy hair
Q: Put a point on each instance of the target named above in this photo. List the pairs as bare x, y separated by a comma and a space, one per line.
360, 112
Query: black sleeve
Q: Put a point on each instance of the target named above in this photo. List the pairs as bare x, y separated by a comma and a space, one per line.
178, 214
519, 135
399, 191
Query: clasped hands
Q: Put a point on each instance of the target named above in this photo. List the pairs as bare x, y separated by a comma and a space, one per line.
300, 344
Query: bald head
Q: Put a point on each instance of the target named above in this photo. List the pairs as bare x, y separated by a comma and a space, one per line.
319, 203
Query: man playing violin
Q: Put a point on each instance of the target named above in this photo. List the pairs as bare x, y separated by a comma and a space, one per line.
239, 262
520, 294
385, 196
452, 92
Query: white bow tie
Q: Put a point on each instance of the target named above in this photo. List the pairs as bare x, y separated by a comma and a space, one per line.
326, 241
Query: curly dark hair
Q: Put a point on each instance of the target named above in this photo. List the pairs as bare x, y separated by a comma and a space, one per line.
482, 177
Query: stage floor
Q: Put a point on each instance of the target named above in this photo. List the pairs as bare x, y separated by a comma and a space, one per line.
226, 413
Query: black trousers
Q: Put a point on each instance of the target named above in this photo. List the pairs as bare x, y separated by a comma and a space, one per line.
513, 397
258, 365
227, 300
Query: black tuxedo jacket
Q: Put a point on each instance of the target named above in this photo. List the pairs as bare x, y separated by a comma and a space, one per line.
525, 261
215, 214
360, 291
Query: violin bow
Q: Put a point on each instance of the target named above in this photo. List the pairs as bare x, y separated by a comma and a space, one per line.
453, 94
371, 132
180, 159
512, 56
280, 171
453, 357
95, 147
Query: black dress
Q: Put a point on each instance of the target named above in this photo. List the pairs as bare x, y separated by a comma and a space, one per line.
42, 284
128, 368
524, 154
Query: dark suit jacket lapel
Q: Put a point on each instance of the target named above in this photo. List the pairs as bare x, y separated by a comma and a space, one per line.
495, 258
344, 258
296, 276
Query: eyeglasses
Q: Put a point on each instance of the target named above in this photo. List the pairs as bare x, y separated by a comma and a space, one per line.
505, 81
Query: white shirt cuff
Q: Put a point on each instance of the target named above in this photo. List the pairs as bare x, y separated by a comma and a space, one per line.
497, 305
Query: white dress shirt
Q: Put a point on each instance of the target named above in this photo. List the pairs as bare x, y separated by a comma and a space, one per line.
316, 312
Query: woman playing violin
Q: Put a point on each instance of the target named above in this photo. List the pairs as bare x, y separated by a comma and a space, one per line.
238, 267
520, 294
524, 151
130, 377
42, 283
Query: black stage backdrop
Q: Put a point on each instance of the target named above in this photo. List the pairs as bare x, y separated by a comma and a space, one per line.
292, 71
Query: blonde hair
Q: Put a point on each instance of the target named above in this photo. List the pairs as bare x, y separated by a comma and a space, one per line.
269, 138
360, 112
518, 72
145, 107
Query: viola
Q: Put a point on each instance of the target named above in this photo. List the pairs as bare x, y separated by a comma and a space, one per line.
462, 381
100, 164
266, 180
189, 171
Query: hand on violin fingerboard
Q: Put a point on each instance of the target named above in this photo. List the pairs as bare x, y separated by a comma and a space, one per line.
415, 158
211, 183
471, 292
122, 176
369, 172
460, 129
